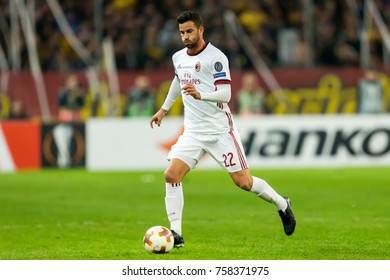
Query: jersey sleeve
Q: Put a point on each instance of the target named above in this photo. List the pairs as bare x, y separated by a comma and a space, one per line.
221, 71
173, 93
222, 80
221, 94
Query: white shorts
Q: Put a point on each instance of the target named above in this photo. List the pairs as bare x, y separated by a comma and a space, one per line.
225, 148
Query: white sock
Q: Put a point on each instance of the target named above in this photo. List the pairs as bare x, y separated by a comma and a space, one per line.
174, 203
266, 192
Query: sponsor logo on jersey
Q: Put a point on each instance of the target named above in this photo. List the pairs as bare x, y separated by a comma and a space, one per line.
189, 80
197, 66
219, 75
218, 66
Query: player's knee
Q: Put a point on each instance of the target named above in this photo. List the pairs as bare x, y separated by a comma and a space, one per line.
245, 184
171, 176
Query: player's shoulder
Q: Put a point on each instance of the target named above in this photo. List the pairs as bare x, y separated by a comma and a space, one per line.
212, 48
179, 53
214, 52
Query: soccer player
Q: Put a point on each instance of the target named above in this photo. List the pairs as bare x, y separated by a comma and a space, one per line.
202, 77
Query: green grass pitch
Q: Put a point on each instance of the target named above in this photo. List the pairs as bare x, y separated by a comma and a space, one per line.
74, 214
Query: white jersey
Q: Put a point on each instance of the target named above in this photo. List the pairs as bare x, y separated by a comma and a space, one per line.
205, 70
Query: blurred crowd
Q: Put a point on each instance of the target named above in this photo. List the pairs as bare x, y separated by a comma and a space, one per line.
145, 33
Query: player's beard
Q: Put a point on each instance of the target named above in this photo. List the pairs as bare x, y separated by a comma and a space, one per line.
191, 44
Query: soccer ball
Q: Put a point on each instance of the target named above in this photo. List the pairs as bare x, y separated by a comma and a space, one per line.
158, 240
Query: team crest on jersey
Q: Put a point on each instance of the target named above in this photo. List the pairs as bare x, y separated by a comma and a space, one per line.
218, 66
197, 66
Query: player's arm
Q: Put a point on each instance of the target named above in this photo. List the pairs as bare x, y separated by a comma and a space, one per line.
173, 94
222, 93
222, 81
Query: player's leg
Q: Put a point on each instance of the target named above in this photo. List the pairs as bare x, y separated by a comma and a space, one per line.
176, 171
183, 156
229, 153
262, 189
174, 199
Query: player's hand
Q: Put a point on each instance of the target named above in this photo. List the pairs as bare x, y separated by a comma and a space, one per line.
157, 118
189, 89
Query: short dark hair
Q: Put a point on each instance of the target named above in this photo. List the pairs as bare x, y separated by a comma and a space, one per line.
190, 16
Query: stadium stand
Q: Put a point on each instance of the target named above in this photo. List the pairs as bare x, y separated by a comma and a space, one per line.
145, 32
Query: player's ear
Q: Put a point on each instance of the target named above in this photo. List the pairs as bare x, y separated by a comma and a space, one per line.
201, 30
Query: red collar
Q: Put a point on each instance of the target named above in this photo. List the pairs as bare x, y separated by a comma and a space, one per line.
198, 52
